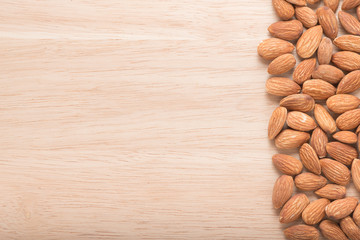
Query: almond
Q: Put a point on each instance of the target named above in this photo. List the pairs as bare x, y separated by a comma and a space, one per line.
309, 181
345, 137
287, 30
300, 121
298, 102
279, 86
312, 1
328, 22
350, 83
283, 9
325, 51
310, 159
287, 164
357, 131
341, 208
324, 119
342, 103
288, 139
277, 122
358, 12
356, 215
355, 171
282, 64
274, 47
297, 2
341, 152
309, 42
304, 70
348, 43
349, 120
331, 191
345, 60
318, 141
334, 171
315, 211
306, 16
350, 4
350, 229
282, 191
318, 89
331, 230
349, 23
293, 208
301, 232
328, 73
332, 4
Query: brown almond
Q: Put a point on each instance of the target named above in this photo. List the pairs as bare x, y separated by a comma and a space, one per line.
348, 43
341, 152
274, 47
331, 192
283, 9
309, 42
350, 4
306, 16
345, 137
287, 164
357, 131
297, 2
318, 89
315, 211
277, 122
304, 70
318, 141
282, 64
324, 119
341, 103
298, 102
332, 4
355, 171
335, 171
288, 139
325, 51
356, 215
293, 208
328, 22
346, 60
358, 12
312, 1
280, 86
349, 120
309, 181
350, 83
287, 30
350, 228
300, 121
349, 23
331, 230
328, 73
283, 189
341, 208
301, 232
310, 159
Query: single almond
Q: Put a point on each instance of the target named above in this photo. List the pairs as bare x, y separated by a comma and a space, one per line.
341, 152
348, 43
300, 121
335, 171
357, 131
315, 211
346, 60
293, 208
280, 86
298, 102
349, 120
282, 191
341, 103
345, 137
297, 2
358, 12
309, 181
283, 9
341, 208
356, 215
312, 1
328, 73
287, 164
350, 228
325, 51
328, 21
310, 159
350, 4
332, 4
306, 16
331, 230
350, 83
331, 192
287, 30
304, 70
349, 23
277, 122
324, 119
282, 64
355, 172
301, 232
288, 139
309, 42
318, 141
318, 89
274, 47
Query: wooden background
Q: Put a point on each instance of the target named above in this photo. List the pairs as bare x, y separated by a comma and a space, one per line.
135, 120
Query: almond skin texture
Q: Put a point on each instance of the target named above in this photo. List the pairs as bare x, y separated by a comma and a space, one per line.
293, 208
297, 2
318, 141
334, 171
315, 211
282, 64
272, 48
341, 152
331, 230
310, 159
283, 87
287, 164
350, 229
348, 43
331, 192
358, 12
324, 119
283, 9
355, 171
287, 30
325, 51
342, 103
309, 181
345, 137
332, 4
328, 22
357, 131
356, 215
304, 70
318, 89
328, 73
350, 83
302, 232
349, 23
298, 102
289, 139
350, 4
300, 121
277, 122
312, 1
309, 42
349, 120
306, 16
347, 61
341, 208
283, 189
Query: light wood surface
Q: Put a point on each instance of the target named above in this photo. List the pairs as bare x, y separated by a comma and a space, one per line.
135, 120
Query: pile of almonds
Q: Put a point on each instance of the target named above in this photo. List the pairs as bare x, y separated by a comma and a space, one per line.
318, 115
